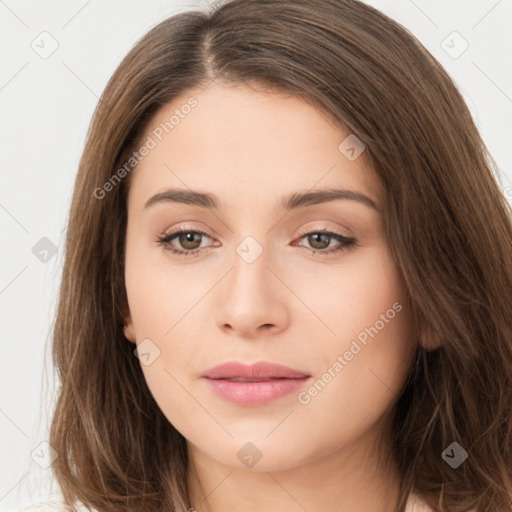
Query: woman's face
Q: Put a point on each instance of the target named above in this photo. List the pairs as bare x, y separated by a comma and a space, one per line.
252, 290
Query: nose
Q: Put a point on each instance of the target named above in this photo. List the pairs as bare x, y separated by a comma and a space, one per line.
252, 301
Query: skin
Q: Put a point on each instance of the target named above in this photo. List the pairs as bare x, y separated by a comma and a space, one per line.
289, 306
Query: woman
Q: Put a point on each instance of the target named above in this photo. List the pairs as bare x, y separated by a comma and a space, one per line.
287, 279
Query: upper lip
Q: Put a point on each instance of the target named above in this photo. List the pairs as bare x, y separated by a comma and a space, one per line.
261, 370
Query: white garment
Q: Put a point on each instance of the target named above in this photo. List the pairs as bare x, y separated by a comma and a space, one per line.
414, 504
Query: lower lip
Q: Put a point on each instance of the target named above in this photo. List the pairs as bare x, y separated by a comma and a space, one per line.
253, 394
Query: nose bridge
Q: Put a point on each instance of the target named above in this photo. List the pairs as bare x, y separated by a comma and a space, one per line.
250, 275
250, 250
250, 297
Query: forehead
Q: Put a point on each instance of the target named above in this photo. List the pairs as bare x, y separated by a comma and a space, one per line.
236, 141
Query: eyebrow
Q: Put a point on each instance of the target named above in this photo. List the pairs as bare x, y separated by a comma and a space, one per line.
287, 203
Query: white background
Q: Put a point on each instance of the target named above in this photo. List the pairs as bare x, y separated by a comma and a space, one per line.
46, 106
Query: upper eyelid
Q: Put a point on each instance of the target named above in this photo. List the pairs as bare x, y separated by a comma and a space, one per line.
190, 227
301, 232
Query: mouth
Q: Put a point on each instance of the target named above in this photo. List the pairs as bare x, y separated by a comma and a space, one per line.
241, 379
262, 370
253, 392
255, 385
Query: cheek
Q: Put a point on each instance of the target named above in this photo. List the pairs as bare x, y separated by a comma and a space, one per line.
363, 383
158, 295
348, 298
162, 310
350, 395
363, 367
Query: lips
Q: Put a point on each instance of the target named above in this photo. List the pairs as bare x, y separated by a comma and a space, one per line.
241, 379
254, 385
257, 372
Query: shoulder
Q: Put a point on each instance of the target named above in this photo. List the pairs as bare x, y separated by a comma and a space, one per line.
54, 506
416, 504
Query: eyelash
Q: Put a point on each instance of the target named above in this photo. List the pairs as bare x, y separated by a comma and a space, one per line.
165, 240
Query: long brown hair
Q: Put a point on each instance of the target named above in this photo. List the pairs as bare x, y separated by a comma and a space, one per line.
448, 225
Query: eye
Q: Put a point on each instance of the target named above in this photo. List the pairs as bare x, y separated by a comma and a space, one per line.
321, 239
190, 241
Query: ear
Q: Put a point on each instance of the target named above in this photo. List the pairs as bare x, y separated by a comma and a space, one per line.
128, 329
